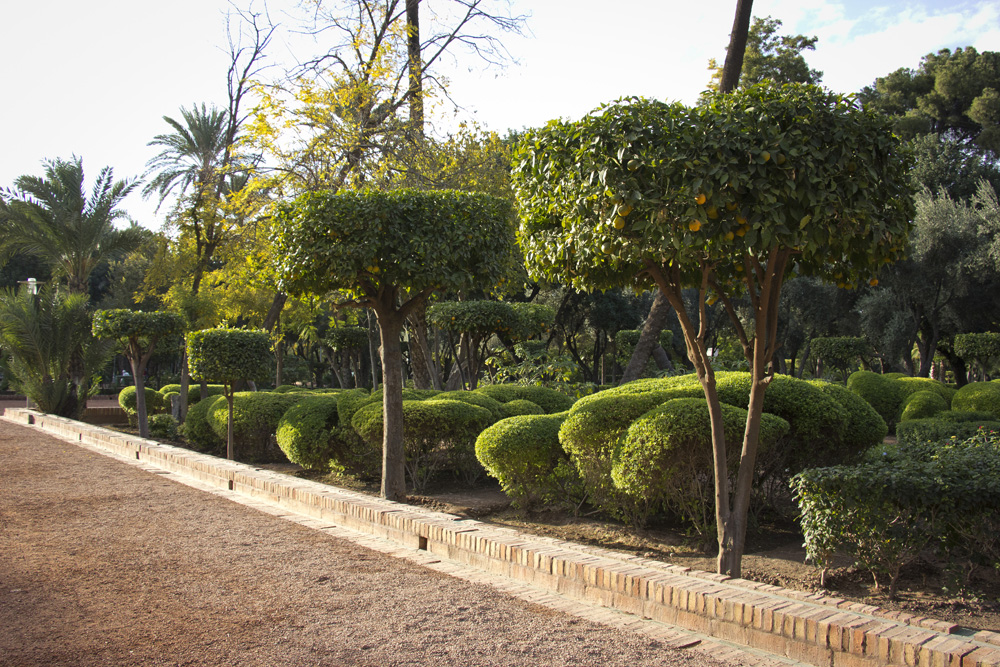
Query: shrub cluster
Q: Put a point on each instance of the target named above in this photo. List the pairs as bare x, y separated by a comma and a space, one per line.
892, 395
127, 400
886, 511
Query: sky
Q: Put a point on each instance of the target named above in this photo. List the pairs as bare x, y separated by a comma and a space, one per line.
95, 79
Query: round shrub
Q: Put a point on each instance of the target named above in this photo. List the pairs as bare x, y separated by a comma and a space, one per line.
163, 426
255, 419
352, 400
310, 434
550, 400
167, 388
524, 455
921, 405
194, 391
519, 406
863, 429
911, 385
168, 398
286, 388
496, 408
126, 399
666, 458
436, 435
978, 397
197, 430
882, 393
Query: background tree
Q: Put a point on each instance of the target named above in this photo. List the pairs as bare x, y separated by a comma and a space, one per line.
772, 57
137, 333
52, 218
645, 193
389, 252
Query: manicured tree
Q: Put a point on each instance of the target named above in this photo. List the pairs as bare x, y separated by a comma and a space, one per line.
474, 322
728, 197
389, 252
138, 333
840, 352
980, 348
226, 356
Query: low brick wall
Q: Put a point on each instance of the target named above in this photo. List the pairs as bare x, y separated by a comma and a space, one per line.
816, 629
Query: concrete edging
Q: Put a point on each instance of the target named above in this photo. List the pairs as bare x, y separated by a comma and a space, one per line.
811, 628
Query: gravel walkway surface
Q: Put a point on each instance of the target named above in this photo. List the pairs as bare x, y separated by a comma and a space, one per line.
104, 564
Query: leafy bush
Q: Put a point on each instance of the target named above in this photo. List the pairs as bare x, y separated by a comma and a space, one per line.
666, 459
477, 318
495, 407
921, 405
885, 512
344, 339
978, 397
352, 400
912, 385
882, 393
937, 430
863, 429
531, 320
550, 400
197, 430
194, 391
126, 399
163, 426
255, 420
841, 352
436, 435
519, 406
524, 454
286, 388
170, 388
310, 434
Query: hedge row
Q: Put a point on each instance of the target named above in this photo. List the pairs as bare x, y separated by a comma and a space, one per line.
904, 500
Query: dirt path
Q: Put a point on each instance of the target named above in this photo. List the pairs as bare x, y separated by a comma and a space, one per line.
104, 564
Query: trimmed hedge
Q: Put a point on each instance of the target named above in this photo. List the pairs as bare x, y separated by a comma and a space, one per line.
936, 429
197, 430
127, 401
495, 407
519, 406
437, 435
550, 400
524, 454
911, 385
227, 355
310, 434
255, 419
163, 426
863, 429
882, 393
886, 512
921, 405
978, 397
194, 391
666, 459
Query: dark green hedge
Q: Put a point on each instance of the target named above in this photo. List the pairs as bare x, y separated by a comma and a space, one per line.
978, 397
921, 405
198, 431
519, 406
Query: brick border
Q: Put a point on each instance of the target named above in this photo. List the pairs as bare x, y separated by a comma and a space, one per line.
816, 629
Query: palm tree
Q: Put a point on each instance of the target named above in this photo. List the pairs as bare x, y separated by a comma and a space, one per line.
52, 218
193, 154
52, 355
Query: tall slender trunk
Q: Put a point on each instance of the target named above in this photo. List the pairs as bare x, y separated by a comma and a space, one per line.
390, 325
648, 339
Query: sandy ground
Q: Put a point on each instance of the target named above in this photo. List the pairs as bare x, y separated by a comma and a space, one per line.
104, 564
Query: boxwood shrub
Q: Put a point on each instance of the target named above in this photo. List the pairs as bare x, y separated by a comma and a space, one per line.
310, 434
519, 406
921, 405
666, 459
935, 429
437, 435
255, 420
881, 391
163, 426
864, 427
978, 397
126, 399
495, 407
523, 453
550, 400
198, 431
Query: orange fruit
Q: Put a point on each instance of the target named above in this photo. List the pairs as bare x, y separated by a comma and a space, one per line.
873, 282
730, 236
700, 199
619, 222
694, 225
742, 231
624, 210
713, 212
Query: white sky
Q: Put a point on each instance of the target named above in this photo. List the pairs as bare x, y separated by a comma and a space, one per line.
95, 78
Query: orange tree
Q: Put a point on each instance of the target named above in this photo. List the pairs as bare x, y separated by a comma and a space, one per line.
727, 197
389, 251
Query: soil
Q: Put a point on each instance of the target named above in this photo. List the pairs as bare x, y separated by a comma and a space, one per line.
106, 564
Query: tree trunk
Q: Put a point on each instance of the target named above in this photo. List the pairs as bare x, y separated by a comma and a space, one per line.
185, 386
273, 316
415, 68
648, 339
390, 325
661, 359
230, 454
138, 369
423, 377
733, 66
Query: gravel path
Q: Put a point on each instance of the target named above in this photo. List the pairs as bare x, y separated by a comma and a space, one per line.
104, 564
